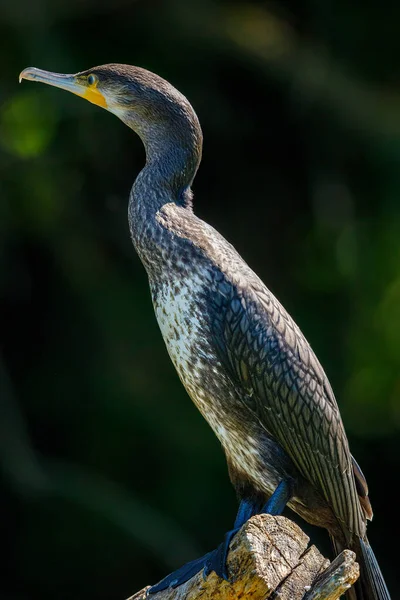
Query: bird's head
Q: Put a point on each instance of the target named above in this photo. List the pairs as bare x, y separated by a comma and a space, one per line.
141, 99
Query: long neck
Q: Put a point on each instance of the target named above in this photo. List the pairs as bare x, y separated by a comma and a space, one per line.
167, 175
173, 144
173, 147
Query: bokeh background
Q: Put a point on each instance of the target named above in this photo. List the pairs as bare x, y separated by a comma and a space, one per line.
110, 478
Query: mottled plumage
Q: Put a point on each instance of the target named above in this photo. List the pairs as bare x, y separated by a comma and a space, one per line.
242, 359
252, 374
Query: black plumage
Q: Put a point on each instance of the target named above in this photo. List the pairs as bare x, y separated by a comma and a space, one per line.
243, 360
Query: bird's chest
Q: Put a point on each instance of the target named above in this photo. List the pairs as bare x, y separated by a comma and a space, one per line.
181, 310
180, 307
184, 322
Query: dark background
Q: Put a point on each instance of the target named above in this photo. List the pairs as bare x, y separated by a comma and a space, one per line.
110, 477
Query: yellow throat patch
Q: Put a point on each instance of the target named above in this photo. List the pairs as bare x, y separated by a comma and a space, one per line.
94, 96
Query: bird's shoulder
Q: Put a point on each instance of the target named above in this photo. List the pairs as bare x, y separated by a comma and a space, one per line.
185, 226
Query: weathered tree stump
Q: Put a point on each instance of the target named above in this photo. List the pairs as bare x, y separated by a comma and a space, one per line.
270, 558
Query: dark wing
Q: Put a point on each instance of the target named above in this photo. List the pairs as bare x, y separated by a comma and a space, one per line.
266, 353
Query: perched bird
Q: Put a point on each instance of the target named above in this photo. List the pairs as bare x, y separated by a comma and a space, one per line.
241, 357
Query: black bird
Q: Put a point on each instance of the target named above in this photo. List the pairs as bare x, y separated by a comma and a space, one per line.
242, 359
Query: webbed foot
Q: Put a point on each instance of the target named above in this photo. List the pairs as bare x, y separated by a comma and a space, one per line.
212, 561
182, 574
216, 559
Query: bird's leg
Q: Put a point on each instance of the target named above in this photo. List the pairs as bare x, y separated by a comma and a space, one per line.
247, 508
212, 561
279, 498
216, 560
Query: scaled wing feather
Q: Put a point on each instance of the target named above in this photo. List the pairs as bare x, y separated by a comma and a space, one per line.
267, 354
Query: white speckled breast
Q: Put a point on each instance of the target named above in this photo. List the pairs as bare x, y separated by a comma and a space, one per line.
182, 325
185, 330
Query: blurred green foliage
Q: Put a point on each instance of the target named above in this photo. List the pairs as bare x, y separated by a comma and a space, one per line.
101, 449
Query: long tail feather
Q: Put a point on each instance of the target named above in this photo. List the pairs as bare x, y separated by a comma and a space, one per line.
370, 585
371, 579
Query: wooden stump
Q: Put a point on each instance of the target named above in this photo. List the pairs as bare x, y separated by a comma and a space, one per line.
270, 557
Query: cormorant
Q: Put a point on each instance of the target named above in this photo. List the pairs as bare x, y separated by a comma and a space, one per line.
241, 357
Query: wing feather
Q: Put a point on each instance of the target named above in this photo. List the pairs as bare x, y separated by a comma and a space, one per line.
267, 353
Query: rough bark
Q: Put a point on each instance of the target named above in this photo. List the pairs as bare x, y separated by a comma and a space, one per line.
270, 558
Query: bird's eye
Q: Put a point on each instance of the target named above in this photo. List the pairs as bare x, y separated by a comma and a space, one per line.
91, 79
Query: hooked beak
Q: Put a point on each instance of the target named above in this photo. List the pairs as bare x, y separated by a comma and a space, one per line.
72, 83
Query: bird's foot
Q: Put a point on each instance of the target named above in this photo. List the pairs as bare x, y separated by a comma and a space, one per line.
181, 575
212, 561
218, 558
